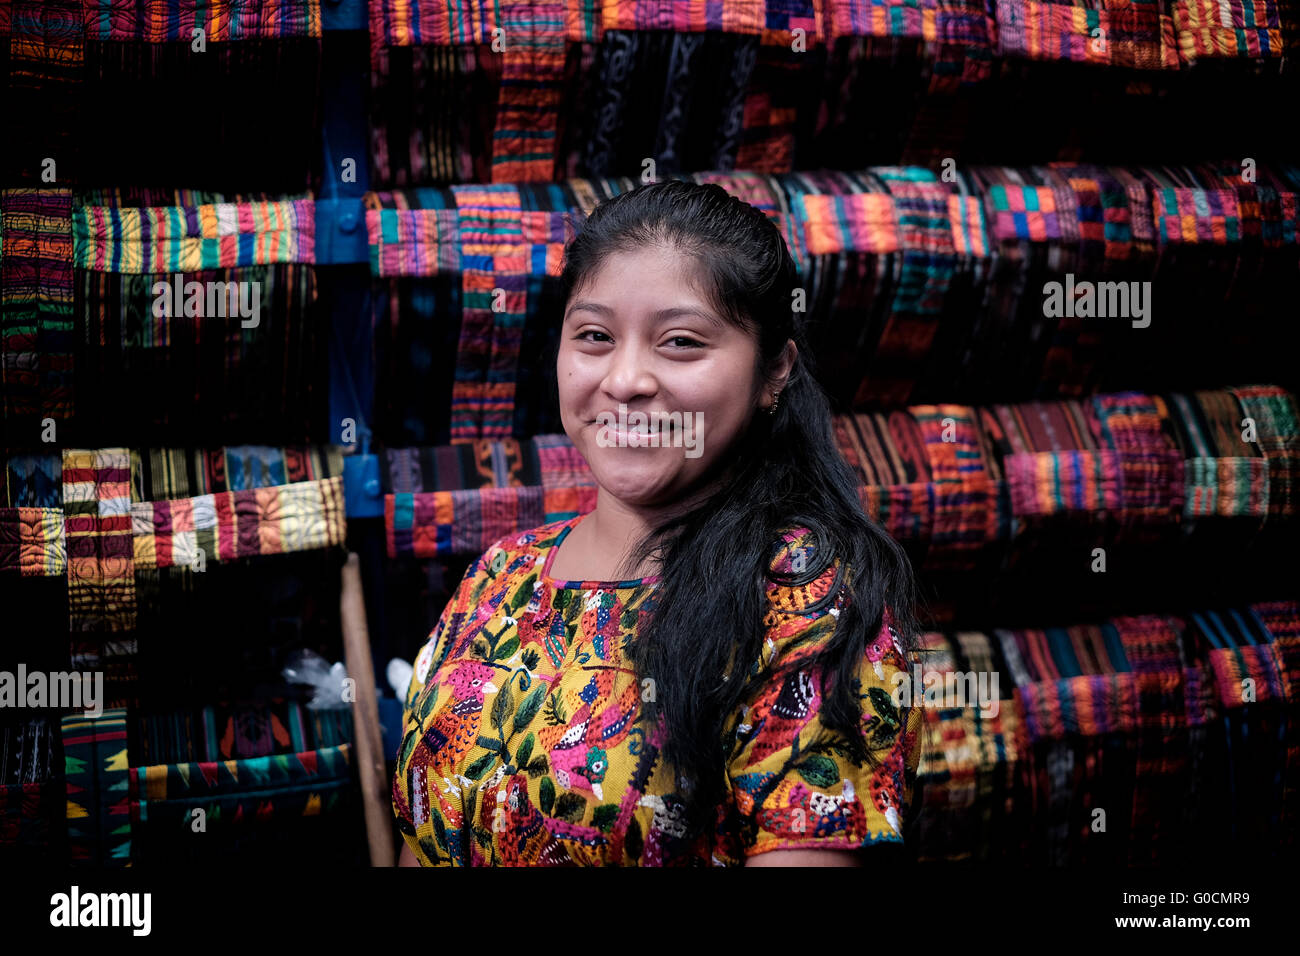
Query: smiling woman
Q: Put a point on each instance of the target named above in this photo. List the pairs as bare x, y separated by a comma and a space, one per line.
699, 671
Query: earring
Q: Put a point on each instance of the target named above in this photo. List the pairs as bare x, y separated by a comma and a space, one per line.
776, 398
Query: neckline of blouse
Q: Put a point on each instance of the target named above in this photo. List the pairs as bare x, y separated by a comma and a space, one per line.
586, 585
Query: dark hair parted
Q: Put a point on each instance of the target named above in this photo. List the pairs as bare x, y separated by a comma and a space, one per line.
785, 471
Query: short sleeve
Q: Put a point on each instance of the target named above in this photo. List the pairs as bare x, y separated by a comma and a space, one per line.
795, 782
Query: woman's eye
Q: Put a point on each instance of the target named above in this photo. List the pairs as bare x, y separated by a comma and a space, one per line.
583, 335
692, 344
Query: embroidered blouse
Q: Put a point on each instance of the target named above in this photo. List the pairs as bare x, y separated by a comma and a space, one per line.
522, 745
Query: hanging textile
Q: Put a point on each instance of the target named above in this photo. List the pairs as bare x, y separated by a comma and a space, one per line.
95, 768
36, 307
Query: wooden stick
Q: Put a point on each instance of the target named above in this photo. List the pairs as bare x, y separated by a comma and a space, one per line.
365, 715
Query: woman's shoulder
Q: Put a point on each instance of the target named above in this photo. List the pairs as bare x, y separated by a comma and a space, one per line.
522, 550
801, 575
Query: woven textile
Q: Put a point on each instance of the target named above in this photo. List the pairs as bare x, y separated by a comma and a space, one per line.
1130, 33
966, 502
1151, 467
195, 781
162, 21
172, 239
33, 542
97, 509
1282, 621
36, 303
96, 768
237, 524
1152, 647
1224, 28
45, 42
1276, 418
213, 377
1225, 476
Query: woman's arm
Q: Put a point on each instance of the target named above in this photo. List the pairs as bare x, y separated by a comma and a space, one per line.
805, 858
406, 857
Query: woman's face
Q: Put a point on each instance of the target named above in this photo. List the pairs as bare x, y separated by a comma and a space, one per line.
639, 335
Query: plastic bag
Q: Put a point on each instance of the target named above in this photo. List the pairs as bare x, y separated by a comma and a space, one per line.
308, 667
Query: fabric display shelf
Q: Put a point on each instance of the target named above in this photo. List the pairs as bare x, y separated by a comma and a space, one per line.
125, 527
539, 91
119, 813
917, 289
949, 481
1137, 740
71, 64
179, 305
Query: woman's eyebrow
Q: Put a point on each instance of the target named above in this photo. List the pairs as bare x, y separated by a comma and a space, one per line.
662, 315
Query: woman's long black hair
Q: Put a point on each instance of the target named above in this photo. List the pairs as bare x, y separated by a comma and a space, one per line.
786, 471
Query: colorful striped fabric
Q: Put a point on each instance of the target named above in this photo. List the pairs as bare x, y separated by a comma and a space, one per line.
1227, 28
948, 479
163, 21
966, 516
1282, 621
204, 779
1152, 647
1151, 467
1225, 476
33, 542
237, 524
1108, 214
411, 241
1090, 706
97, 509
1277, 424
430, 524
96, 773
163, 240
1197, 215
494, 305
925, 272
36, 303
532, 87
1128, 33
861, 222
1233, 666
1027, 212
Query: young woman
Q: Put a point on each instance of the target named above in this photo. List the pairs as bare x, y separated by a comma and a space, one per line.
700, 670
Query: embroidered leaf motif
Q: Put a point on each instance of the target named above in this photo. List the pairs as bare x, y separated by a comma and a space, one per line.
506, 650
528, 710
525, 750
530, 658
819, 771
490, 743
605, 816
555, 715
501, 707
523, 593
538, 766
884, 705
571, 807
480, 766
440, 831
546, 795
498, 562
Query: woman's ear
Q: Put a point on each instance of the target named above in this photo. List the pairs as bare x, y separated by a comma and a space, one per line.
781, 374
